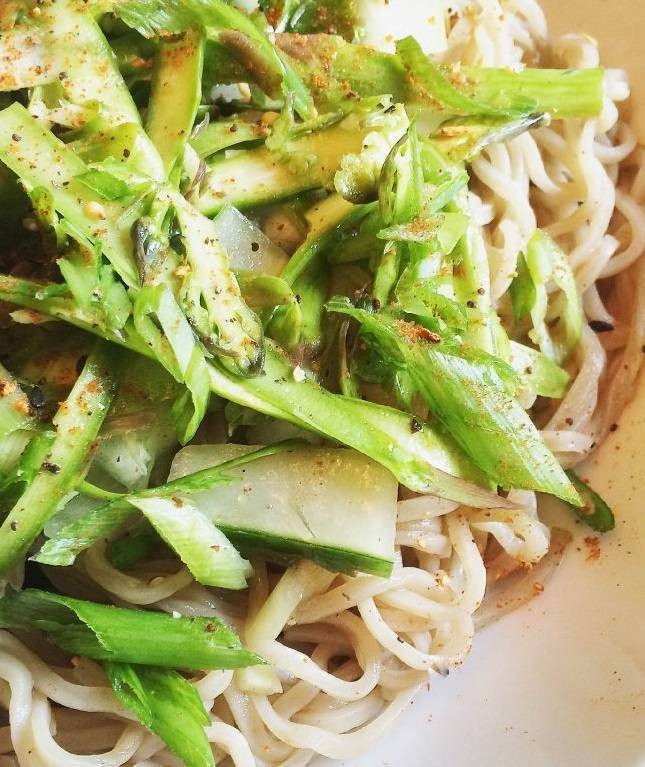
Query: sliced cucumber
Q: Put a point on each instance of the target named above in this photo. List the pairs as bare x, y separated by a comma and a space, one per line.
333, 506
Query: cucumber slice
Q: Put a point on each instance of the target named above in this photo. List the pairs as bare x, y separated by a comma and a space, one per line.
333, 506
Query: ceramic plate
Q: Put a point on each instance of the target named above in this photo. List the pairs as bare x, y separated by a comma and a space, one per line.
561, 682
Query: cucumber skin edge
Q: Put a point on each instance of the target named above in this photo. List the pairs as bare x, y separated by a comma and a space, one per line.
287, 550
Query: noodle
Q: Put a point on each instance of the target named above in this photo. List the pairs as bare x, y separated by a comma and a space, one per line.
348, 654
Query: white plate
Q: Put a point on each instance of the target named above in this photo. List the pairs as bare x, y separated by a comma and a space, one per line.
560, 683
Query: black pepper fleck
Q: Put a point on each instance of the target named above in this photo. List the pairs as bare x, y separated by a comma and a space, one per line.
599, 326
80, 364
37, 398
53, 468
255, 246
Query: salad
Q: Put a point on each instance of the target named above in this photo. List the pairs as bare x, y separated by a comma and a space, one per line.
254, 337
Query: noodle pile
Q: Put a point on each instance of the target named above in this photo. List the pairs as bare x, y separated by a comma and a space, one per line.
350, 653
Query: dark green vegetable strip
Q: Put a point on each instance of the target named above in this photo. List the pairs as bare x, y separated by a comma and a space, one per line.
77, 422
468, 393
168, 705
104, 632
37, 296
210, 295
27, 467
260, 176
595, 512
102, 522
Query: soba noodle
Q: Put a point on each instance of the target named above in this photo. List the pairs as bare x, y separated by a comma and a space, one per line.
347, 653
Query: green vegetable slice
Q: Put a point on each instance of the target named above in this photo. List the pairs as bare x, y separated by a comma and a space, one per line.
168, 705
330, 66
429, 82
165, 330
223, 134
203, 548
557, 327
175, 97
210, 294
104, 632
595, 512
538, 372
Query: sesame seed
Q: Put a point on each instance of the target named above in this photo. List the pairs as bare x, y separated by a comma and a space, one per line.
95, 210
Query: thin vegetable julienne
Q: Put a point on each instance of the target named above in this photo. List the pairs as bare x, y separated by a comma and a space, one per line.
77, 423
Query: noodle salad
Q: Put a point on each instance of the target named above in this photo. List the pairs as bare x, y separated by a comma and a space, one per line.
300, 320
